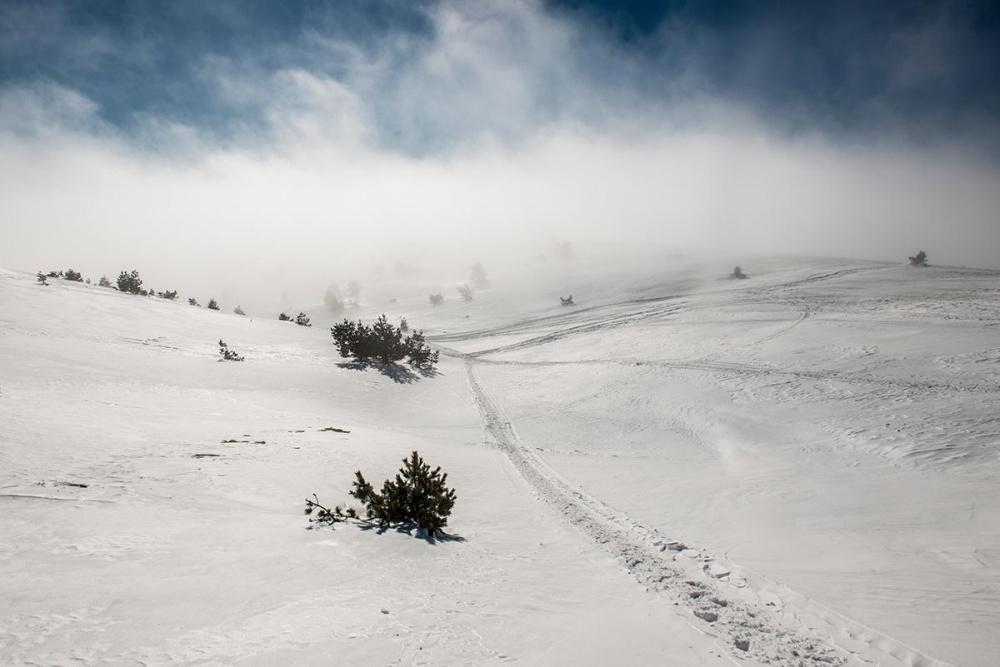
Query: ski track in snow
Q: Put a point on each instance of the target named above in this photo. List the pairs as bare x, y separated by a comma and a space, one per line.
719, 599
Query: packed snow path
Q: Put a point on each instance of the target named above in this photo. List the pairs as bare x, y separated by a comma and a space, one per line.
799, 632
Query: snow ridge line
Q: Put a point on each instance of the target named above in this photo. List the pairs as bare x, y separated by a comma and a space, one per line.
743, 629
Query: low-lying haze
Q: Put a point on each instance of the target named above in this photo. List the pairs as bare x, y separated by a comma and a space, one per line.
260, 154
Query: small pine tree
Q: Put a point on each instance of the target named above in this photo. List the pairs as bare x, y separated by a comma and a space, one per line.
920, 259
466, 292
436, 299
75, 276
104, 282
421, 357
738, 274
169, 295
284, 318
302, 320
404, 326
418, 495
228, 354
238, 311
213, 304
193, 302
130, 282
42, 279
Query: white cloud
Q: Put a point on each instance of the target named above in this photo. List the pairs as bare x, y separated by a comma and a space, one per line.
319, 195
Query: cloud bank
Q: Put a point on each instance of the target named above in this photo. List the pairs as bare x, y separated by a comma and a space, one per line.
468, 131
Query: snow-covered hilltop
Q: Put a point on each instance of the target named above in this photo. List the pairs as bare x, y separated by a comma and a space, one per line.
796, 468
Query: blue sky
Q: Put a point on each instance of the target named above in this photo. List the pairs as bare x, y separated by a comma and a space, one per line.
189, 136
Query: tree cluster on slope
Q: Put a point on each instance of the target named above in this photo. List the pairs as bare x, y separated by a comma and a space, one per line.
920, 259
382, 342
302, 320
130, 282
227, 353
213, 304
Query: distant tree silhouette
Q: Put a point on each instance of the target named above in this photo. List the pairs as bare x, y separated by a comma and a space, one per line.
42, 279
404, 326
75, 276
169, 295
920, 259
477, 275
130, 282
334, 302
193, 302
465, 291
284, 318
104, 282
354, 292
213, 304
436, 299
568, 301
302, 320
738, 274
238, 311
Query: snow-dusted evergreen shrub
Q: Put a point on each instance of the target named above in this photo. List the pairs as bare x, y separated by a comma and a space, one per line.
170, 295
418, 496
228, 354
75, 276
420, 356
738, 273
213, 304
42, 279
104, 282
193, 302
920, 259
284, 318
382, 342
238, 311
302, 320
130, 282
436, 299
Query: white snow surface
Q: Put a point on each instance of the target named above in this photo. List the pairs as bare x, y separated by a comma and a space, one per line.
797, 468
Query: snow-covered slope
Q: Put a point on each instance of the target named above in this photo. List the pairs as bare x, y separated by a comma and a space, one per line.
822, 438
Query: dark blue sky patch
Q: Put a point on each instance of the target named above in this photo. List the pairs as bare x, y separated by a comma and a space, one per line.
922, 71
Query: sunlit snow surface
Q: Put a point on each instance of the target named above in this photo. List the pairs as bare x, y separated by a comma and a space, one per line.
822, 437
